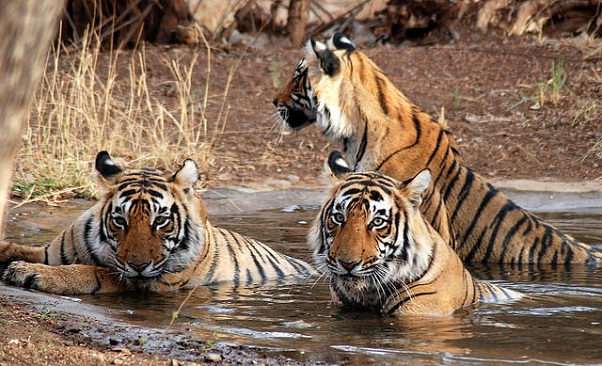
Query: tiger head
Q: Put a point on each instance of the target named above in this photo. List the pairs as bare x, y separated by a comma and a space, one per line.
296, 101
150, 223
370, 236
341, 89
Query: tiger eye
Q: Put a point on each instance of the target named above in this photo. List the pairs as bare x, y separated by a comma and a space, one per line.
338, 218
160, 220
378, 221
119, 221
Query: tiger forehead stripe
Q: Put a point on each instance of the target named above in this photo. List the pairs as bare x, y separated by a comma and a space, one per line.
364, 196
143, 180
152, 191
140, 205
369, 175
155, 190
385, 185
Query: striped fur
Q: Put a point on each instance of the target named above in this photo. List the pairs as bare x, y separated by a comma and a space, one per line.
381, 255
295, 101
380, 129
149, 231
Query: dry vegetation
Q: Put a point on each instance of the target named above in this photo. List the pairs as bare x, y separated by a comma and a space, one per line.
156, 106
93, 98
82, 108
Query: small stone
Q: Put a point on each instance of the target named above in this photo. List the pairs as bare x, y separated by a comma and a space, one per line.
100, 357
213, 357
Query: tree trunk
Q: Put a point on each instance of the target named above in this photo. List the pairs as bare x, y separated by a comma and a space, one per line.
27, 27
298, 14
127, 22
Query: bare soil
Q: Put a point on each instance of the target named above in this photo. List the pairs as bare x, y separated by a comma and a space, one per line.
488, 86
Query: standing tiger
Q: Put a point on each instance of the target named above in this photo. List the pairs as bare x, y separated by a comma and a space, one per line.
381, 254
149, 231
354, 103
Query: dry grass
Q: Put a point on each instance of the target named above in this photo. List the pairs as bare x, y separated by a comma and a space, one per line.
80, 110
551, 89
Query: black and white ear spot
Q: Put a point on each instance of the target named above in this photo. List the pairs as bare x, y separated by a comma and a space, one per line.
340, 42
335, 169
318, 46
187, 176
106, 166
418, 185
329, 62
337, 163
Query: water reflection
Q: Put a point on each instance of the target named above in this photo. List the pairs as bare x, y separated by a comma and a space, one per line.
558, 323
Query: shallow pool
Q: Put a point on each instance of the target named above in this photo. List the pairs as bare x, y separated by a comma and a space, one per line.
559, 322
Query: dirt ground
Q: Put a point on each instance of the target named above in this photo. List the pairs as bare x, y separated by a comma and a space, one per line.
488, 85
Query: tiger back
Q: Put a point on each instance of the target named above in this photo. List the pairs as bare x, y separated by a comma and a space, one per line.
380, 254
380, 129
148, 231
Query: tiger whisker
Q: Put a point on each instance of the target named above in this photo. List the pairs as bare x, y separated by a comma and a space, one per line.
322, 271
321, 277
384, 285
404, 285
278, 124
378, 285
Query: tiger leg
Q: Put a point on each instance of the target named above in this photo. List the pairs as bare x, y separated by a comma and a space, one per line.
12, 252
489, 292
73, 279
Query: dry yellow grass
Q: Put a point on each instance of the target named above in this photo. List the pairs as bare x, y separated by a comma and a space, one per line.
80, 110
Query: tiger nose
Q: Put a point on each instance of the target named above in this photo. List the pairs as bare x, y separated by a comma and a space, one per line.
275, 101
138, 266
348, 265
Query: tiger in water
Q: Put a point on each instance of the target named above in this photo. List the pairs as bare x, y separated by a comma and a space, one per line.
149, 231
381, 254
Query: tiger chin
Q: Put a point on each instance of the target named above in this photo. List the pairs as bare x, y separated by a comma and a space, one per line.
149, 231
382, 255
380, 129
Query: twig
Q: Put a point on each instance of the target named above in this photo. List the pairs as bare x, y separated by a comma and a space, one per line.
348, 15
322, 9
45, 197
173, 318
227, 199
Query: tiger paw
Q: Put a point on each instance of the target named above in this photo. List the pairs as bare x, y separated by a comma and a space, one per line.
72, 279
24, 274
36, 276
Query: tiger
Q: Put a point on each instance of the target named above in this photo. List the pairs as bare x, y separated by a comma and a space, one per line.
380, 129
149, 231
381, 254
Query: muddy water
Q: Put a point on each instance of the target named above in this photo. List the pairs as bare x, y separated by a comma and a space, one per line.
559, 322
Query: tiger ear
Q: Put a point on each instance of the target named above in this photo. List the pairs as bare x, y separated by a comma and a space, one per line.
336, 168
416, 187
329, 62
187, 176
107, 170
340, 42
